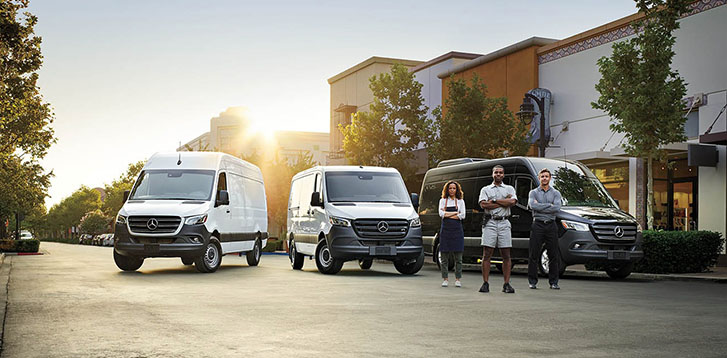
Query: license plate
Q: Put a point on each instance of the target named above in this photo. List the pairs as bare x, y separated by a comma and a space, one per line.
619, 255
151, 248
383, 250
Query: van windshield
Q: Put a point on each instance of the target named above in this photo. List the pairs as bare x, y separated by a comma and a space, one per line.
369, 187
162, 184
578, 189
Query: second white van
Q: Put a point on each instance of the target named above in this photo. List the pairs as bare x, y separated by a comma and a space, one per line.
197, 206
343, 213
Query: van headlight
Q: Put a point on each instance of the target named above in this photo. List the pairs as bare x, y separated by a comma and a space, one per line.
120, 219
574, 225
196, 220
415, 222
336, 221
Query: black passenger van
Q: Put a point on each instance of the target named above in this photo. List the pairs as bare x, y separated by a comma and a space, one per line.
591, 227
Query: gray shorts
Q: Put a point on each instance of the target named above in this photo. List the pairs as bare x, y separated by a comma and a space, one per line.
497, 233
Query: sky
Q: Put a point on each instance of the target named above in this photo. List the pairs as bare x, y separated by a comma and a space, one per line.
130, 78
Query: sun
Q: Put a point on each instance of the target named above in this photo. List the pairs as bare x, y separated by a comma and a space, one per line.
261, 124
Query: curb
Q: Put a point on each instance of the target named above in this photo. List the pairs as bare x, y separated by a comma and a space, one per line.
22, 253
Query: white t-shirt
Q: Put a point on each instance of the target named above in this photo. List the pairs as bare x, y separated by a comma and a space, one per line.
444, 203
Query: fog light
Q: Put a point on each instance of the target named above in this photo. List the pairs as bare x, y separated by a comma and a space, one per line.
196, 240
577, 246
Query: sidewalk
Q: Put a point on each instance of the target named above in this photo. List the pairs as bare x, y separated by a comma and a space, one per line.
715, 274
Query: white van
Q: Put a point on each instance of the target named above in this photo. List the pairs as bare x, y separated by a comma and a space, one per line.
342, 213
195, 205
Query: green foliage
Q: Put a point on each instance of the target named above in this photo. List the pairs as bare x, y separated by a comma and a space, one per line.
395, 125
640, 91
25, 133
69, 212
115, 191
274, 245
94, 223
679, 251
31, 245
475, 125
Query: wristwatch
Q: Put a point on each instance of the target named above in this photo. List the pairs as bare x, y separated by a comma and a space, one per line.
493, 201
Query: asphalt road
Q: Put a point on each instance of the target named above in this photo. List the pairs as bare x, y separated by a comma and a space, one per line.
74, 302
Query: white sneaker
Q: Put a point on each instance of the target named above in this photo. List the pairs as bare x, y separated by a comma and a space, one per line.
445, 283
457, 283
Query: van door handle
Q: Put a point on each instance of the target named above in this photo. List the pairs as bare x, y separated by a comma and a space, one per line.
515, 216
227, 211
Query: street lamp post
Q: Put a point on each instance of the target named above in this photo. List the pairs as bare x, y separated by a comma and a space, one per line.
527, 112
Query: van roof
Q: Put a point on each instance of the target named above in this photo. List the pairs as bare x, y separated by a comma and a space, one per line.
347, 168
530, 162
193, 160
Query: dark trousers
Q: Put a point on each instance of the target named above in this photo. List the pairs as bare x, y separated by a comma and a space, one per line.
541, 233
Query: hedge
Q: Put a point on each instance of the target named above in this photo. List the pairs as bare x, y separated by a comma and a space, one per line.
679, 251
31, 245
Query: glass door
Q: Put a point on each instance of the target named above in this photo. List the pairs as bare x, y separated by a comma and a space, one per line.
683, 209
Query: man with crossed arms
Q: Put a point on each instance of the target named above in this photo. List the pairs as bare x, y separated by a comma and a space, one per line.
496, 199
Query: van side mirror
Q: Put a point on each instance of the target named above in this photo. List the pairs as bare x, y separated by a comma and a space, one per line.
126, 195
315, 199
415, 201
223, 198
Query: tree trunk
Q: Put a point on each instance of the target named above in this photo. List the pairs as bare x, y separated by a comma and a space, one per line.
650, 194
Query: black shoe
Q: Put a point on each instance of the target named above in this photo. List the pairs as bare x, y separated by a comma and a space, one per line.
507, 288
554, 286
485, 287
532, 286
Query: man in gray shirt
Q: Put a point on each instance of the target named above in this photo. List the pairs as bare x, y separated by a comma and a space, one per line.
545, 202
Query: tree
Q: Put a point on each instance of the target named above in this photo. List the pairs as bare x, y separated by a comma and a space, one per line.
94, 223
395, 125
475, 125
70, 210
25, 133
115, 190
641, 92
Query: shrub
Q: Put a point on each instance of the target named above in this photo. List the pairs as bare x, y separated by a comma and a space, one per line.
31, 245
679, 251
94, 223
273, 245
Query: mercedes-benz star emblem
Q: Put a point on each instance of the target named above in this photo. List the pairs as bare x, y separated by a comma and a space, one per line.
382, 226
618, 231
152, 224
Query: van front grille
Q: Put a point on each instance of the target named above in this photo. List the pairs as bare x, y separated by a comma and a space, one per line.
145, 225
615, 232
373, 228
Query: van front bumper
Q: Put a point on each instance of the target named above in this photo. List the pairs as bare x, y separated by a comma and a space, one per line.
580, 247
346, 245
190, 242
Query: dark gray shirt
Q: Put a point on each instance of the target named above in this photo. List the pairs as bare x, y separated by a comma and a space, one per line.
548, 203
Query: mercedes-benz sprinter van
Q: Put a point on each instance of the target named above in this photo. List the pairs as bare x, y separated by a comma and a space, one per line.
195, 205
591, 227
343, 213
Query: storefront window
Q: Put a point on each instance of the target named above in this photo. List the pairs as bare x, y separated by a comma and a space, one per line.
675, 187
615, 178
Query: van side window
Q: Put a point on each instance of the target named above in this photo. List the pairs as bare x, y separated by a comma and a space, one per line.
430, 198
470, 192
306, 189
522, 189
294, 194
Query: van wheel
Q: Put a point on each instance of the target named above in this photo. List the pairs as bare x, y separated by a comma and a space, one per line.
187, 261
296, 258
253, 256
410, 267
619, 271
325, 261
211, 259
127, 263
365, 264
438, 259
544, 263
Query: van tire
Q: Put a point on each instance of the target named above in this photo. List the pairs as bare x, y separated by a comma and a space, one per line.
253, 256
365, 264
325, 262
450, 263
296, 258
543, 269
620, 271
211, 259
408, 267
187, 261
127, 263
